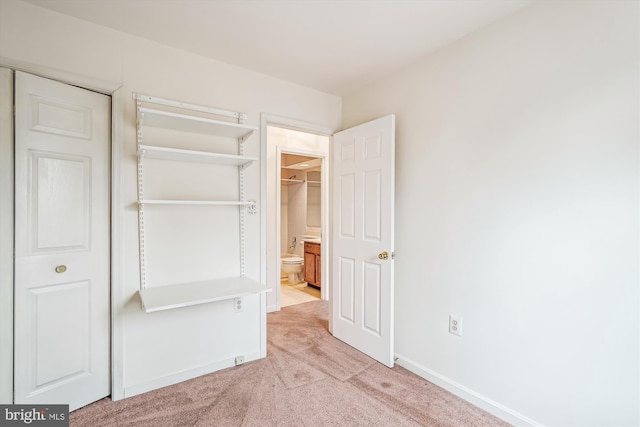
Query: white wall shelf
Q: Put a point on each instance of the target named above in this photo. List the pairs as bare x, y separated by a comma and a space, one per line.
190, 123
196, 202
191, 120
180, 155
187, 294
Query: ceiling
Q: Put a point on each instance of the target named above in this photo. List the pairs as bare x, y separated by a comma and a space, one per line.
294, 161
334, 46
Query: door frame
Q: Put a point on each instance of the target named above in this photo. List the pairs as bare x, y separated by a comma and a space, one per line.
116, 91
6, 247
272, 275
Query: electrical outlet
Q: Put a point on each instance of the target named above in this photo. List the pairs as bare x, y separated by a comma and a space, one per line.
239, 360
238, 305
455, 325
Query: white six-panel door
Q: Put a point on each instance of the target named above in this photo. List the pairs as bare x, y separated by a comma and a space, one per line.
363, 237
61, 243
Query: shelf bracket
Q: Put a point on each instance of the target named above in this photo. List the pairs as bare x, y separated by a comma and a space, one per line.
245, 137
252, 209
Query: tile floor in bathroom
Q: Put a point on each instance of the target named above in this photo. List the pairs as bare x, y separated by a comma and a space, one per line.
296, 293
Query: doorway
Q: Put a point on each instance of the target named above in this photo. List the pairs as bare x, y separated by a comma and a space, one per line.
362, 244
298, 168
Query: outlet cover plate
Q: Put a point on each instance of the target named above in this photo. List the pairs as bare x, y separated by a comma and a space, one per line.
455, 325
238, 305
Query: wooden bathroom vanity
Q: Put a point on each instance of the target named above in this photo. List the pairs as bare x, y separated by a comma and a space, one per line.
312, 264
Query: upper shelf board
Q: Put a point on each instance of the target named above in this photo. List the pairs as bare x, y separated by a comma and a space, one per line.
176, 154
187, 123
195, 202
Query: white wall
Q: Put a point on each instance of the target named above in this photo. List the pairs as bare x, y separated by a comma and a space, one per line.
162, 346
297, 216
517, 209
284, 217
293, 210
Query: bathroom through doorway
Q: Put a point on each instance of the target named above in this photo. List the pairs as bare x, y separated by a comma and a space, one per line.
300, 229
302, 206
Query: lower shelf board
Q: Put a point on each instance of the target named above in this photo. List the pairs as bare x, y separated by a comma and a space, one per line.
187, 294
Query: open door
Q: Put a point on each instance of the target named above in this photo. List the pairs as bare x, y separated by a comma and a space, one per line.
363, 238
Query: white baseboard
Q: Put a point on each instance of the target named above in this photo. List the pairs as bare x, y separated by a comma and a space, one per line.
187, 374
467, 394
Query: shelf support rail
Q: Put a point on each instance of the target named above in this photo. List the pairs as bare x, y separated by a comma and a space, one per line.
242, 213
141, 239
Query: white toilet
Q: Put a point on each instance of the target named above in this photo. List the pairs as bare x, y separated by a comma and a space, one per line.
292, 267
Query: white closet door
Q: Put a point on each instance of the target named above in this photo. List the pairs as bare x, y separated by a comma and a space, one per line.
62, 243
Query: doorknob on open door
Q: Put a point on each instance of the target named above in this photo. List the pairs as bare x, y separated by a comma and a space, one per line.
61, 269
383, 255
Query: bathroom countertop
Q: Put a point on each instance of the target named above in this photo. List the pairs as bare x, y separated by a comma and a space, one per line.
311, 239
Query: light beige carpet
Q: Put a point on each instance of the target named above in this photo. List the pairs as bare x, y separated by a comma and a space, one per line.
308, 378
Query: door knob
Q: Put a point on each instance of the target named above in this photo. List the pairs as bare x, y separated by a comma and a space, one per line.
61, 269
383, 255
